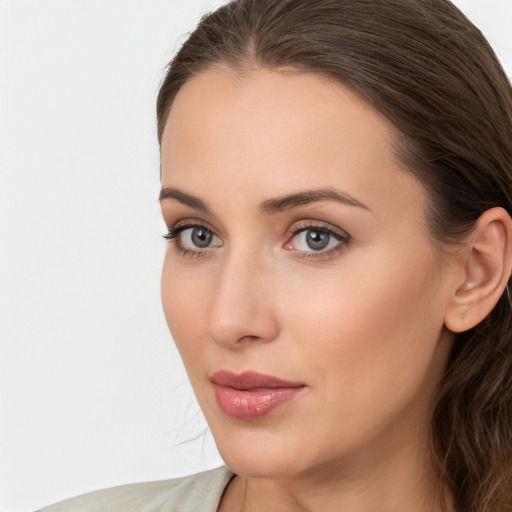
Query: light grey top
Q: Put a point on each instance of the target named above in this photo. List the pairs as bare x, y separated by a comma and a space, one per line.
201, 492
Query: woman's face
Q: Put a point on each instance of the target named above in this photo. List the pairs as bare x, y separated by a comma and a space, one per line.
300, 285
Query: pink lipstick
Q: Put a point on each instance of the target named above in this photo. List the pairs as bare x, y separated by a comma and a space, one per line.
250, 395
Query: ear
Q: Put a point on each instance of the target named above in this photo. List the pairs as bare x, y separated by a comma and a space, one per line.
485, 264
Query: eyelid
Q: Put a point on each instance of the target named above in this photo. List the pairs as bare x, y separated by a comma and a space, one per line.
184, 224
179, 227
321, 226
341, 235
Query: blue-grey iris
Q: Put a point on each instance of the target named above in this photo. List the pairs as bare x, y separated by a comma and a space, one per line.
317, 240
201, 237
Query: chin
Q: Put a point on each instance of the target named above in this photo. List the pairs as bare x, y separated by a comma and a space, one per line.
255, 454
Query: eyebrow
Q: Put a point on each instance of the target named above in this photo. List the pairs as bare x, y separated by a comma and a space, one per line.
183, 198
307, 197
270, 206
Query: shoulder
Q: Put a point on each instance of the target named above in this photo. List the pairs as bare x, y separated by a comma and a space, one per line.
197, 492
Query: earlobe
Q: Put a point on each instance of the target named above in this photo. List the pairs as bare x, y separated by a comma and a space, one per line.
486, 262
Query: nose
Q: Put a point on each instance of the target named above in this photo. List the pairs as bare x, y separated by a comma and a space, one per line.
242, 310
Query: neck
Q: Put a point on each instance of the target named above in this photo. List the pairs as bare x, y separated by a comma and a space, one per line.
403, 478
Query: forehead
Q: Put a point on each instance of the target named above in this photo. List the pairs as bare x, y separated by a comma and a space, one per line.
279, 106
270, 133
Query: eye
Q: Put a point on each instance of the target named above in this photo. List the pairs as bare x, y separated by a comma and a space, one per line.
198, 237
193, 238
316, 239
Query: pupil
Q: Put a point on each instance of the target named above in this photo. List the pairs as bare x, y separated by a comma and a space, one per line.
317, 240
201, 237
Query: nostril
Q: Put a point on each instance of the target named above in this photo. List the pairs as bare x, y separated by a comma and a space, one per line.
248, 339
241, 329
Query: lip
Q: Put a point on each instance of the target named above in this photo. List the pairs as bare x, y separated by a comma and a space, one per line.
250, 395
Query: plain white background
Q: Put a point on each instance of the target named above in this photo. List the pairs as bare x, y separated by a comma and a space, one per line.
92, 392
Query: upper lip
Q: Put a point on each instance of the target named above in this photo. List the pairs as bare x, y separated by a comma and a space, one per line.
251, 380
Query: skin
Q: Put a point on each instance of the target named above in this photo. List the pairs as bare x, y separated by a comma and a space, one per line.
361, 323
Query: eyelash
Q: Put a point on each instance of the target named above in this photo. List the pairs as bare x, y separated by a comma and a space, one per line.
174, 233
342, 237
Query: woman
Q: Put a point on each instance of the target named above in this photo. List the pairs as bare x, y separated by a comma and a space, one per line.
337, 182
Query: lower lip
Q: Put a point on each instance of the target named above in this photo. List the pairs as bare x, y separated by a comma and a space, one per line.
253, 404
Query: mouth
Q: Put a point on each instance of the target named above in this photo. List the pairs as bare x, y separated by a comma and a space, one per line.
250, 396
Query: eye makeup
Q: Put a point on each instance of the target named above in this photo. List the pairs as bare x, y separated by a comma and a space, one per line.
193, 238
306, 239
310, 239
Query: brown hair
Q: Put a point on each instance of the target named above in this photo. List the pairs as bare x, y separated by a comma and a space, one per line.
431, 72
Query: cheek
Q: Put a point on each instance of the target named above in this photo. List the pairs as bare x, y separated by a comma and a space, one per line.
184, 298
368, 335
362, 298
